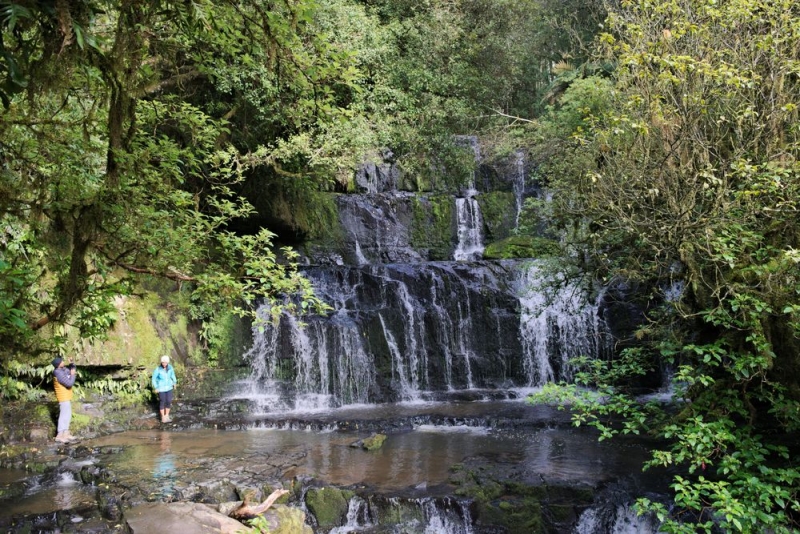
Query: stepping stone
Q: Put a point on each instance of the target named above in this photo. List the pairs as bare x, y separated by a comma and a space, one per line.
180, 517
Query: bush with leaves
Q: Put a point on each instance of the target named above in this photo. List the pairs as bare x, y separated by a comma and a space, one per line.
109, 174
687, 187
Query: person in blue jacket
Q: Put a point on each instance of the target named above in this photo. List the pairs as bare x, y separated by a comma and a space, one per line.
164, 382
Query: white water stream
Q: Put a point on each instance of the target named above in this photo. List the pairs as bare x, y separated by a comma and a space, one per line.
437, 336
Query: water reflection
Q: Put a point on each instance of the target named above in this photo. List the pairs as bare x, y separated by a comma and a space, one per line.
405, 460
60, 497
416, 462
9, 476
423, 456
576, 456
164, 470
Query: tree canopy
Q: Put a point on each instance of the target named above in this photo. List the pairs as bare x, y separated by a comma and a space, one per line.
132, 128
109, 170
683, 182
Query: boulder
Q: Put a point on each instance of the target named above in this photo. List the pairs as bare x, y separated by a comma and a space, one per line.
183, 517
374, 442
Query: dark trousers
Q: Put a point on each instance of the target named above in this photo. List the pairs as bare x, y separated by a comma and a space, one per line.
164, 399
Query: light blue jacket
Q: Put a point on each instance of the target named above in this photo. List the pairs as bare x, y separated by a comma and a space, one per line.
164, 379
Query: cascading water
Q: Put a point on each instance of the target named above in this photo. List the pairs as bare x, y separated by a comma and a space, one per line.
408, 385
327, 364
396, 331
360, 258
426, 515
407, 330
618, 519
470, 223
358, 517
557, 324
407, 333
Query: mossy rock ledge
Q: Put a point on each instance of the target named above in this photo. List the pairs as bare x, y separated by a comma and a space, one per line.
328, 505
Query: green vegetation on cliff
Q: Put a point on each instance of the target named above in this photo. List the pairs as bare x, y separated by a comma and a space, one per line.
111, 173
433, 225
680, 176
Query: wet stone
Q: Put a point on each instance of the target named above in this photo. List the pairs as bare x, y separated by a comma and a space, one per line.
94, 475
81, 451
39, 434
328, 505
110, 505
218, 492
184, 518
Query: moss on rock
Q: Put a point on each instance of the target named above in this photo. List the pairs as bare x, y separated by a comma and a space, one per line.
328, 505
520, 507
398, 512
521, 247
433, 227
290, 521
321, 219
498, 210
517, 516
374, 442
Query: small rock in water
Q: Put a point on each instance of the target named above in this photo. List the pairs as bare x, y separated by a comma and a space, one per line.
374, 442
76, 519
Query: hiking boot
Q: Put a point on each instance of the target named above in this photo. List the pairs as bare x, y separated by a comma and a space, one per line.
62, 438
166, 419
70, 437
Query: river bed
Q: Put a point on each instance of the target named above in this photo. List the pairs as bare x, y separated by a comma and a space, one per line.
510, 439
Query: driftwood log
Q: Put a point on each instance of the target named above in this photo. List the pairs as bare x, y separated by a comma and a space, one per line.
246, 511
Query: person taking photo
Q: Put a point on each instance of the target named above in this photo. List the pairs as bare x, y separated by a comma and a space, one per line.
63, 380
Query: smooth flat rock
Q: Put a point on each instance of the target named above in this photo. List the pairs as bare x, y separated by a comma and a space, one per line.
180, 518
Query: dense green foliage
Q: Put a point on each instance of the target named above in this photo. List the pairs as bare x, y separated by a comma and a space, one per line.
681, 178
137, 135
111, 172
133, 131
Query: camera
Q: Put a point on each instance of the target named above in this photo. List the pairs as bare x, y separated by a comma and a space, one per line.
71, 365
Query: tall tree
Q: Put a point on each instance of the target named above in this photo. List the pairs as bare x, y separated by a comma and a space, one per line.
110, 172
686, 184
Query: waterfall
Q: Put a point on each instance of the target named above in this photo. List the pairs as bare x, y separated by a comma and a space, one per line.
360, 258
556, 324
405, 329
323, 363
423, 516
408, 385
402, 332
464, 347
445, 333
470, 228
618, 519
468, 213
358, 517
